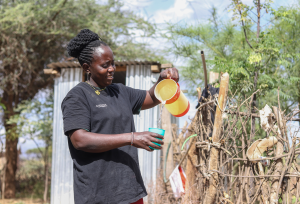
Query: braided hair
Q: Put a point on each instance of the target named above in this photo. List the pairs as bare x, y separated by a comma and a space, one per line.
83, 45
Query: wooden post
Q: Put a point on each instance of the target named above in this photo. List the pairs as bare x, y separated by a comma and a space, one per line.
204, 68
264, 188
167, 126
279, 165
210, 197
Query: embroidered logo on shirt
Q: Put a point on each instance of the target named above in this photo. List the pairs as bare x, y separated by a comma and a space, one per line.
101, 106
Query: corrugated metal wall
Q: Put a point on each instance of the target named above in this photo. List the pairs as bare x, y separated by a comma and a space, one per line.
140, 77
62, 164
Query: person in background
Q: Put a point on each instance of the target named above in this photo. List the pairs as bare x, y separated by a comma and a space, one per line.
99, 125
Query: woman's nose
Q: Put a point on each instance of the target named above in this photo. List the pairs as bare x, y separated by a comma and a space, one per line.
111, 68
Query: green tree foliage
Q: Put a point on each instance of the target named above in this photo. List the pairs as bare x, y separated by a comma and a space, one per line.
30, 175
34, 119
30, 178
287, 30
34, 122
254, 48
34, 33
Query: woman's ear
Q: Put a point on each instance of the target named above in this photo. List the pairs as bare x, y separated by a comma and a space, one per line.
86, 68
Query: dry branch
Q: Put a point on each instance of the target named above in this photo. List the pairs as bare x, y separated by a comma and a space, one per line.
224, 171
210, 196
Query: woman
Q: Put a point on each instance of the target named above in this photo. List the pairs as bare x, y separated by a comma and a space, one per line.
98, 120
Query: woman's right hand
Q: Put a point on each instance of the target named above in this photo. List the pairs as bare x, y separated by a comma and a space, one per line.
146, 139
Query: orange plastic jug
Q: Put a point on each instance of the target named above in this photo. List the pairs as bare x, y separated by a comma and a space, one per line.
168, 92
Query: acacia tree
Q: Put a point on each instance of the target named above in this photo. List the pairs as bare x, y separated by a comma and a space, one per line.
256, 55
287, 30
35, 32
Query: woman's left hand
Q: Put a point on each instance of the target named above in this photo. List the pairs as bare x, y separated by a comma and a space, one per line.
150, 100
170, 73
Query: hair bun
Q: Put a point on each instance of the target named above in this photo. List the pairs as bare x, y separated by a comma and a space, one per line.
83, 38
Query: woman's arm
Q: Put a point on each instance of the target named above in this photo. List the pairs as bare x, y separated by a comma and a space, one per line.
150, 100
96, 143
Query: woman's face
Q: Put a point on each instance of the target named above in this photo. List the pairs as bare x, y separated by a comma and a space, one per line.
102, 68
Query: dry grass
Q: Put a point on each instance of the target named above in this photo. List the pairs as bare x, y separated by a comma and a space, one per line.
161, 193
158, 193
22, 201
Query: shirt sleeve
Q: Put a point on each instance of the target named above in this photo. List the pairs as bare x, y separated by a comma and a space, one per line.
76, 113
136, 98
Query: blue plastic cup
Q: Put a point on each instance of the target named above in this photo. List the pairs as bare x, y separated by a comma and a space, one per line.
158, 131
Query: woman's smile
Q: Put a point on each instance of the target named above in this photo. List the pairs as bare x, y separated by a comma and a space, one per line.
110, 77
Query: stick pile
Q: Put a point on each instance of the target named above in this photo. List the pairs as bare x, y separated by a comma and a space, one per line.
228, 162
240, 167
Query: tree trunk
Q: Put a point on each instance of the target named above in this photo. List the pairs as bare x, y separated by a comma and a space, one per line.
254, 104
11, 151
11, 154
211, 193
3, 182
46, 174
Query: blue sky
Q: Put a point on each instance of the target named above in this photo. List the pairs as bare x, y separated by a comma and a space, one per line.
160, 11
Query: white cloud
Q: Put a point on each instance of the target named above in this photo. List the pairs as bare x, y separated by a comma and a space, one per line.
138, 6
191, 11
180, 10
133, 4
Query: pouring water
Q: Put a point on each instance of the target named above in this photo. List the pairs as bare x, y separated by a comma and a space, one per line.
159, 125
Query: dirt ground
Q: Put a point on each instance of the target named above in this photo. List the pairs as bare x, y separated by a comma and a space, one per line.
22, 201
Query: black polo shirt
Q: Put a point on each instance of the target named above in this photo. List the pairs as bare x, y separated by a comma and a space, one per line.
111, 177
